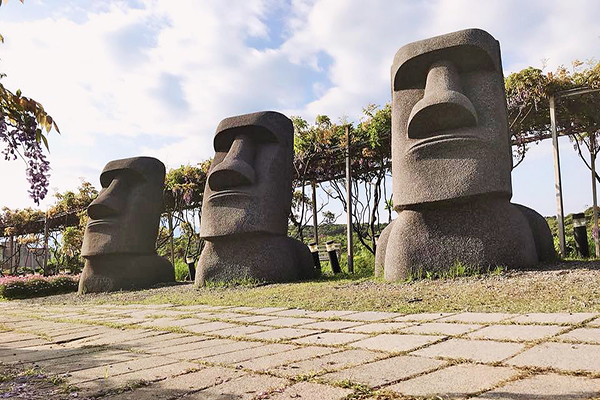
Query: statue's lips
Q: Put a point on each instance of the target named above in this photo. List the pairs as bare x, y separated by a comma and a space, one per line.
447, 138
100, 222
228, 193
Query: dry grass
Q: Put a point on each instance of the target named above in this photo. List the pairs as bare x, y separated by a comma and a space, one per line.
572, 286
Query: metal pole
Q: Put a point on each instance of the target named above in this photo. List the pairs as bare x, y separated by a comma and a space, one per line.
46, 244
595, 199
313, 186
349, 204
558, 185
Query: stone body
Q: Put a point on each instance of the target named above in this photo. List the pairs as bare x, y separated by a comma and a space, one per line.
119, 239
451, 163
247, 201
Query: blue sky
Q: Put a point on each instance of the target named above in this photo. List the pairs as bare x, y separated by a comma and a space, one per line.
155, 77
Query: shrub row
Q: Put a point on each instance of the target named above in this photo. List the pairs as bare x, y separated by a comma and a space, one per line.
21, 287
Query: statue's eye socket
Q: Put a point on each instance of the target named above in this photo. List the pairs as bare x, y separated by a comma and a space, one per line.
130, 176
223, 140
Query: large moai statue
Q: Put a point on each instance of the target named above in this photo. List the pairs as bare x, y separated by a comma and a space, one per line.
451, 163
120, 237
247, 202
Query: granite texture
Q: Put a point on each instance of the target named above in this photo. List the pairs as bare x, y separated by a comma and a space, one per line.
120, 236
451, 163
247, 203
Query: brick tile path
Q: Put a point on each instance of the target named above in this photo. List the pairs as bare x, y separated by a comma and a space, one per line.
213, 352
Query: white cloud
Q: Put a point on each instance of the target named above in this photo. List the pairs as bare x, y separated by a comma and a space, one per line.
157, 77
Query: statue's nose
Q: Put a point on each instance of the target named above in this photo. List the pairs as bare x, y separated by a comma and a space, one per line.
236, 169
443, 106
110, 201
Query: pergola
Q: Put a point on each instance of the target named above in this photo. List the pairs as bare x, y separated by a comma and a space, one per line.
557, 178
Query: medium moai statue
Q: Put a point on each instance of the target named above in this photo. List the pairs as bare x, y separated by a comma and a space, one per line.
120, 237
247, 202
451, 163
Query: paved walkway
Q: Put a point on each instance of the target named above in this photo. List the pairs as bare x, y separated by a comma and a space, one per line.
202, 352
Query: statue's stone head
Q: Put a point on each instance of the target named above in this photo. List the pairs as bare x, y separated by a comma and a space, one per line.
450, 135
124, 219
249, 186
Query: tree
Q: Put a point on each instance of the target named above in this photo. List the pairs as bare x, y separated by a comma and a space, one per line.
22, 121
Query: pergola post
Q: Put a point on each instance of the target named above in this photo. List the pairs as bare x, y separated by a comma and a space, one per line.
349, 204
313, 186
594, 194
560, 217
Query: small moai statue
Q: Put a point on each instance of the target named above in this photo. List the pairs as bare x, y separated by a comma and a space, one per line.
247, 202
451, 163
120, 237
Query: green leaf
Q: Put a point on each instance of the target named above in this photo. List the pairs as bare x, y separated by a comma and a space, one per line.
18, 93
45, 142
1, 39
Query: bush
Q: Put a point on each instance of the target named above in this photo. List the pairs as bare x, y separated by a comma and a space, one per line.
21, 287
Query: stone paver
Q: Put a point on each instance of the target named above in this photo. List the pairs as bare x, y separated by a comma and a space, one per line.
286, 357
441, 328
551, 386
385, 371
478, 318
455, 381
244, 388
582, 335
331, 338
309, 390
393, 343
241, 330
331, 325
563, 356
477, 350
287, 321
283, 333
329, 362
516, 332
248, 354
369, 316
378, 327
208, 327
333, 346
556, 318
329, 314
423, 317
293, 312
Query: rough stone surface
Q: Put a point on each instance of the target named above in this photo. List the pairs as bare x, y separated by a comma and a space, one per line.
563, 356
582, 335
329, 362
378, 327
440, 328
549, 386
554, 318
451, 162
385, 371
247, 201
393, 343
275, 360
331, 338
246, 387
309, 390
471, 317
476, 350
455, 381
516, 332
119, 239
369, 316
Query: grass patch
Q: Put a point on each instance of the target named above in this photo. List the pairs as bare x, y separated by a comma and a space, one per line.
563, 287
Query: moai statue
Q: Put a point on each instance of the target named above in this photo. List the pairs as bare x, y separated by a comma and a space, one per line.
119, 239
451, 163
247, 202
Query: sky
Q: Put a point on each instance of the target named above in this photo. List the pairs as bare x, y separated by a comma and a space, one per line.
155, 77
